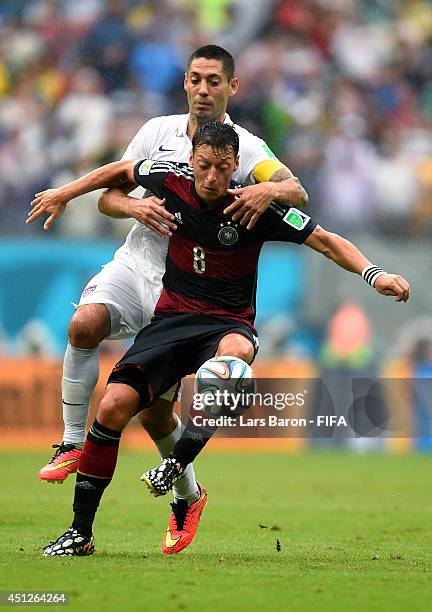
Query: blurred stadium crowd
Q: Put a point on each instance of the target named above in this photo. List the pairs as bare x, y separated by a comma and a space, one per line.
340, 89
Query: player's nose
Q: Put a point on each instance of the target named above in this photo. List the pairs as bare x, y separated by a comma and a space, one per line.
203, 89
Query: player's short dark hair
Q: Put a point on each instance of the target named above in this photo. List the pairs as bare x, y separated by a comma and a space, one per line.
216, 53
220, 136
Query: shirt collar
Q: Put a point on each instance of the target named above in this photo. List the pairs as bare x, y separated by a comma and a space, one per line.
182, 129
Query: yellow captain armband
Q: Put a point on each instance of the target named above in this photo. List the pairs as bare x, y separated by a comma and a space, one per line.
264, 170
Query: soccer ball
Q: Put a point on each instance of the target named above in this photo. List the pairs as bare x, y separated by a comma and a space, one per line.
225, 386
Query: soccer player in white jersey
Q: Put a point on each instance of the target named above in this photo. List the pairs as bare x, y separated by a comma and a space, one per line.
119, 300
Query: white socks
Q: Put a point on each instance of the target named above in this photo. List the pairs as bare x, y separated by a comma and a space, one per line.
80, 375
186, 487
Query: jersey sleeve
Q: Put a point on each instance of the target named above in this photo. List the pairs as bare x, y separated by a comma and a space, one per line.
256, 155
151, 175
141, 146
280, 224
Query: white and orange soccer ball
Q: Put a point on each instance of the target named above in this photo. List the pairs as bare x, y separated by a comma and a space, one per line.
225, 386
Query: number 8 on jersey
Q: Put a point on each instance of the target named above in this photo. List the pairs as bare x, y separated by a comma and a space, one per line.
199, 260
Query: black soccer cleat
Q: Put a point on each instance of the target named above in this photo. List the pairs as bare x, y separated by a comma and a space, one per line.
161, 479
71, 543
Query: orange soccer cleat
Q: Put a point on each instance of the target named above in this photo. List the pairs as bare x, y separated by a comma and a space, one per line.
183, 523
63, 462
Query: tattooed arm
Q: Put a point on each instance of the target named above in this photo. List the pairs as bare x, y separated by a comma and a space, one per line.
253, 200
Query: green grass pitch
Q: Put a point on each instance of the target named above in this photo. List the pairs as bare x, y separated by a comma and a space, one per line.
354, 530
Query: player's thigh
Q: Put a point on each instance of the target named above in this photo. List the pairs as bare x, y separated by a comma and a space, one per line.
223, 337
154, 363
118, 287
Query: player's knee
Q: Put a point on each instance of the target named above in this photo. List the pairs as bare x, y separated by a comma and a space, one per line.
89, 326
115, 410
236, 345
158, 419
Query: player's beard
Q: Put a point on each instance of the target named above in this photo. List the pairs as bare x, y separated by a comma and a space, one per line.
212, 114
203, 119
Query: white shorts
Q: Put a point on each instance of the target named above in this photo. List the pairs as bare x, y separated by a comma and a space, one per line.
130, 286
129, 293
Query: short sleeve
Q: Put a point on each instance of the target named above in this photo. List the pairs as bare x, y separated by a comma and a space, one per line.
151, 175
140, 146
283, 225
253, 150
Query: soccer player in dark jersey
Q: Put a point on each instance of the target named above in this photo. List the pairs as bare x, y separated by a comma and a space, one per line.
206, 308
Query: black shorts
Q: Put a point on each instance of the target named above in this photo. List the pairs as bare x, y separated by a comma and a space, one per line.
172, 347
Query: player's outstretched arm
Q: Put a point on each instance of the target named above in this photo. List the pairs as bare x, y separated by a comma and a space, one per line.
252, 201
347, 256
54, 201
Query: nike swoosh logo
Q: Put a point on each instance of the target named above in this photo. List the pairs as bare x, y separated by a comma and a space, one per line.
169, 541
161, 148
60, 465
225, 375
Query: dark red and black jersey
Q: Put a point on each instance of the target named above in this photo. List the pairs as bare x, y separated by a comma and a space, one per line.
212, 262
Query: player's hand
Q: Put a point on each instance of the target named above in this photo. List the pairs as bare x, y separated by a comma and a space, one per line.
394, 285
152, 213
51, 202
251, 202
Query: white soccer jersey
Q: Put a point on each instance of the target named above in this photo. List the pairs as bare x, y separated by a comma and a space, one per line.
165, 138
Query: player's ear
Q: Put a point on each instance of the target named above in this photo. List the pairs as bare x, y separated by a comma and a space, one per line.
185, 80
237, 162
191, 159
234, 85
